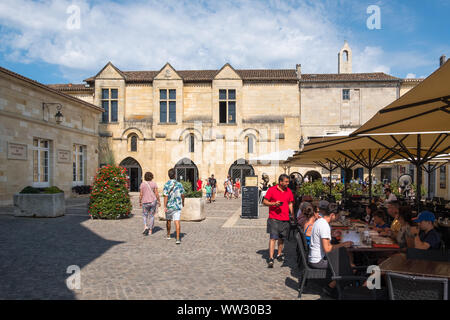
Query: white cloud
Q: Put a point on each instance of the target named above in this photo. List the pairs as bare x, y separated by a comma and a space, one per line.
410, 76
370, 60
189, 34
143, 36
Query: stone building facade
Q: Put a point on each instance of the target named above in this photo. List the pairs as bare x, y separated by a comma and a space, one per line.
216, 121
41, 150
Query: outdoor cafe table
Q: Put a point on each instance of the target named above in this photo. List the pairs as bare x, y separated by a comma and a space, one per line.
386, 245
400, 264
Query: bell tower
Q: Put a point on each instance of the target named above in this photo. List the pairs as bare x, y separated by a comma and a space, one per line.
345, 59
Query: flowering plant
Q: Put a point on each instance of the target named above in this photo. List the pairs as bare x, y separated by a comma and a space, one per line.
109, 197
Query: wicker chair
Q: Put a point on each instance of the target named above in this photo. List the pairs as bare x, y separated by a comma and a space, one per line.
346, 280
293, 227
408, 287
306, 272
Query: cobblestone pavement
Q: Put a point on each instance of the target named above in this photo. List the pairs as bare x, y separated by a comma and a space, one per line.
222, 257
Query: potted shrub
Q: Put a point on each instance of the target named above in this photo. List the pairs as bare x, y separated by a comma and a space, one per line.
109, 196
39, 202
194, 205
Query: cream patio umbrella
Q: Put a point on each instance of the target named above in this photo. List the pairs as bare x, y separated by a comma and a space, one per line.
345, 152
423, 113
425, 108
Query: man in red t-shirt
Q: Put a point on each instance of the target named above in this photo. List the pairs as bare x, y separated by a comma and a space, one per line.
280, 201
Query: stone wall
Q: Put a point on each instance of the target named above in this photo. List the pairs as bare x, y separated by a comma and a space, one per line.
23, 117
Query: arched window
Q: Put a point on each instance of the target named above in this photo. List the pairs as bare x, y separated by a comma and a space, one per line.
133, 142
250, 144
191, 143
345, 55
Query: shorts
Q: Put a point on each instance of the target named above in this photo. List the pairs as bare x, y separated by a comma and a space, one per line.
277, 229
208, 195
214, 190
173, 215
322, 264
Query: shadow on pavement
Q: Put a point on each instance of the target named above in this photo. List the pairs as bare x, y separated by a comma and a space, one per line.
313, 287
35, 254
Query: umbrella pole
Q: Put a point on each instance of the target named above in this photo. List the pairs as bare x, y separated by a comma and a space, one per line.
330, 181
429, 181
370, 175
418, 173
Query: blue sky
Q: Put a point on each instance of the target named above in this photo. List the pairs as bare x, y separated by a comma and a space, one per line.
35, 39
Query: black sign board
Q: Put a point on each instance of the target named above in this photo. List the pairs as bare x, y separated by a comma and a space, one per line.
250, 207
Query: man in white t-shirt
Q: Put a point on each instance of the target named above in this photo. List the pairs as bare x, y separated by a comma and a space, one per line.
321, 236
321, 240
390, 197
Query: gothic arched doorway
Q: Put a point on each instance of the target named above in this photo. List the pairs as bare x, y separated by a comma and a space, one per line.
241, 169
134, 173
186, 170
313, 175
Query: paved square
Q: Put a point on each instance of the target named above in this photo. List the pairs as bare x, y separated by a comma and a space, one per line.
222, 257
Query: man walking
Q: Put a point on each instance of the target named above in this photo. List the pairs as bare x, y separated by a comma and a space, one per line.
212, 182
173, 203
279, 199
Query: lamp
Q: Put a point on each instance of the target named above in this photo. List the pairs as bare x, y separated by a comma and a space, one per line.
59, 117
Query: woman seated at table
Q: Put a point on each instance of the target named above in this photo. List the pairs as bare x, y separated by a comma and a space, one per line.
311, 215
301, 218
405, 237
370, 210
380, 222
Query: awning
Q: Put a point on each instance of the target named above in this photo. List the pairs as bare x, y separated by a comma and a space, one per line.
275, 156
423, 109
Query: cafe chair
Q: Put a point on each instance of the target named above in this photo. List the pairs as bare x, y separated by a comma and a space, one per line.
347, 280
293, 227
429, 255
306, 272
409, 287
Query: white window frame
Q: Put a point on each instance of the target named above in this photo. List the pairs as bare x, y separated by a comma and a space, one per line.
76, 154
346, 97
39, 149
227, 102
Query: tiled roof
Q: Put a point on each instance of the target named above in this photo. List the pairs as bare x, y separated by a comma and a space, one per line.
412, 80
259, 75
71, 87
48, 88
331, 77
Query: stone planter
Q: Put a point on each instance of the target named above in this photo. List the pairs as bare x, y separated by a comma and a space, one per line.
39, 205
193, 210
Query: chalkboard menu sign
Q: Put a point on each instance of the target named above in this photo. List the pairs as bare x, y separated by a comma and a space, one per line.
250, 207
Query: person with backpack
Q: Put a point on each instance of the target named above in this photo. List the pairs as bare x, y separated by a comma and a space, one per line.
148, 200
173, 203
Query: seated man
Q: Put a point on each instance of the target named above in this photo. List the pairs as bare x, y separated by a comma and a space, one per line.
321, 240
389, 196
428, 237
